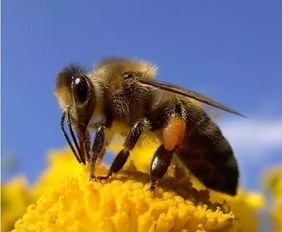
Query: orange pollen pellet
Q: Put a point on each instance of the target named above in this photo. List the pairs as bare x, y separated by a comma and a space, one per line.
174, 132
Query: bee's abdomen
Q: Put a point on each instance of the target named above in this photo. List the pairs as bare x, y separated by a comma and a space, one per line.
208, 155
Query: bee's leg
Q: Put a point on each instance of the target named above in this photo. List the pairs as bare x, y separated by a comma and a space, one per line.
87, 145
129, 144
98, 148
174, 127
159, 165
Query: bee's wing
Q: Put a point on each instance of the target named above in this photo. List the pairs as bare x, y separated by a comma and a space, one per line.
214, 113
188, 93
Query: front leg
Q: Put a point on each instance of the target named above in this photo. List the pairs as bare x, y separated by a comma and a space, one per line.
129, 144
98, 149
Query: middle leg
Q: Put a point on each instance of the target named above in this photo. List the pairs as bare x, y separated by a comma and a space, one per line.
129, 144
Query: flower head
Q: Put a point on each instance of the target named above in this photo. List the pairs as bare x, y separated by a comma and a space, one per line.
68, 201
16, 195
273, 181
121, 204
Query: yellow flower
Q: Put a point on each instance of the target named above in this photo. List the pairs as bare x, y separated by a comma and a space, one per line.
121, 204
16, 196
245, 206
273, 181
70, 202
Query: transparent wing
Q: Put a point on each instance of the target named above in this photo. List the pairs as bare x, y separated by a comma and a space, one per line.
188, 93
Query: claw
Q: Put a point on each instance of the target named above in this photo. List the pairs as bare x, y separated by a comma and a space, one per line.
152, 189
99, 178
95, 178
92, 178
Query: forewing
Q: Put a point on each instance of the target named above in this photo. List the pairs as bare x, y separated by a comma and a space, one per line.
188, 93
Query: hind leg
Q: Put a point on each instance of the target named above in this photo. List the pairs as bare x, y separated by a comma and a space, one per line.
160, 163
172, 135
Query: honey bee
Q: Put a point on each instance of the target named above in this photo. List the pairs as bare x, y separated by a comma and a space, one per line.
124, 91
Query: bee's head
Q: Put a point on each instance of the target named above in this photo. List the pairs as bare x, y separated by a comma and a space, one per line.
76, 96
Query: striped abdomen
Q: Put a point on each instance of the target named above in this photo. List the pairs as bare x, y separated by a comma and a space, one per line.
208, 155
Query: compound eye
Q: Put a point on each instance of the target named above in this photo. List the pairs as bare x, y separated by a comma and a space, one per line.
80, 89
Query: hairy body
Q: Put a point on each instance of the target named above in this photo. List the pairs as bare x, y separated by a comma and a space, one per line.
123, 92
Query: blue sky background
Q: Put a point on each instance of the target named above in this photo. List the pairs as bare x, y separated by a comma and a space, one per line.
230, 50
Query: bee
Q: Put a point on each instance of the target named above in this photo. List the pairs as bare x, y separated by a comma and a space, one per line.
124, 91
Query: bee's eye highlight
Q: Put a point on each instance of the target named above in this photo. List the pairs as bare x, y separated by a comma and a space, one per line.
80, 89
128, 75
